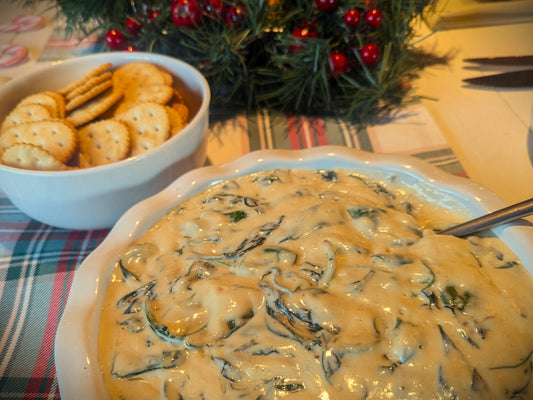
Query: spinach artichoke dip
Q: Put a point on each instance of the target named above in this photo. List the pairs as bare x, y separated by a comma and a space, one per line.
297, 284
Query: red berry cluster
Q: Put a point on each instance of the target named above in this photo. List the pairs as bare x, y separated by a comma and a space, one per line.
369, 52
304, 32
183, 14
188, 13
351, 18
115, 40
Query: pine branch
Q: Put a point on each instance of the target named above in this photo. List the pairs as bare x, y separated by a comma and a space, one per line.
252, 62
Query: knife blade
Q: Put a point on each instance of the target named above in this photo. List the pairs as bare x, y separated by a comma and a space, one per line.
512, 79
512, 60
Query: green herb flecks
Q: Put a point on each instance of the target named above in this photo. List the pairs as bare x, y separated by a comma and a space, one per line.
163, 333
126, 272
430, 280
455, 301
282, 255
328, 175
255, 240
391, 260
269, 180
235, 324
358, 211
287, 385
479, 384
508, 264
331, 362
165, 360
331, 266
236, 216
357, 287
132, 302
228, 371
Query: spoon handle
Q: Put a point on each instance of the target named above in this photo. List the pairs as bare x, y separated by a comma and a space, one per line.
507, 214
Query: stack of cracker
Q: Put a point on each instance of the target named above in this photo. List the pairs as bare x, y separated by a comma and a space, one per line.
104, 117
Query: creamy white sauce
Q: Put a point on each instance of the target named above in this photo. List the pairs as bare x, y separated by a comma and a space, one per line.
315, 285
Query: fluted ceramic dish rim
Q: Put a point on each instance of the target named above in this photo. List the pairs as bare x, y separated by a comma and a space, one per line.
76, 339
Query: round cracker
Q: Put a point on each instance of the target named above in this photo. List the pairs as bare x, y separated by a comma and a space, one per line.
55, 136
25, 113
149, 126
160, 94
145, 73
44, 99
103, 142
28, 156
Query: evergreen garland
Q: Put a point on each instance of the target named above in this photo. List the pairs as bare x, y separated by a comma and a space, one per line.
251, 57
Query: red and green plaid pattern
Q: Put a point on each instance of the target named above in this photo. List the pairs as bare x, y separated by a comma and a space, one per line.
37, 265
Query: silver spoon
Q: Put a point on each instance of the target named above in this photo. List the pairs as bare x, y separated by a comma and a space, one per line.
507, 214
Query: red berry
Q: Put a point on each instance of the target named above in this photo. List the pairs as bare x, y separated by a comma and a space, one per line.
326, 5
370, 54
153, 15
214, 8
131, 48
301, 33
133, 26
234, 15
373, 17
185, 13
339, 63
352, 17
114, 39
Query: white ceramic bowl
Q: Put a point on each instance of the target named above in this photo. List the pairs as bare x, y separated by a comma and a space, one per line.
76, 339
96, 197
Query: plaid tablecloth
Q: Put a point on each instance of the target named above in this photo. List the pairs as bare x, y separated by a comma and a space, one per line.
38, 262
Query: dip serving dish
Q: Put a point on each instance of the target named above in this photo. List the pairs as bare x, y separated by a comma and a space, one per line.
94, 198
76, 340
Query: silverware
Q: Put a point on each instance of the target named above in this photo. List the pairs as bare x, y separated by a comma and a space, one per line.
503, 61
507, 214
514, 79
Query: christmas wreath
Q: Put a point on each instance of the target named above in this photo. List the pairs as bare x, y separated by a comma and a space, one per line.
350, 57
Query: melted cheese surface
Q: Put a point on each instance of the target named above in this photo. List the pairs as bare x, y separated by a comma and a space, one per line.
294, 284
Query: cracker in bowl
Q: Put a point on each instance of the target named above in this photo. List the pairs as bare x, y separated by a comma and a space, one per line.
149, 126
103, 142
53, 101
56, 136
94, 108
24, 113
28, 156
113, 114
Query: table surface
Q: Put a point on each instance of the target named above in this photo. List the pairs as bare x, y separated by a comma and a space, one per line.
483, 135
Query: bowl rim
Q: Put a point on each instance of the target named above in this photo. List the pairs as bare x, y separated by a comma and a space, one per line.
104, 57
76, 360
